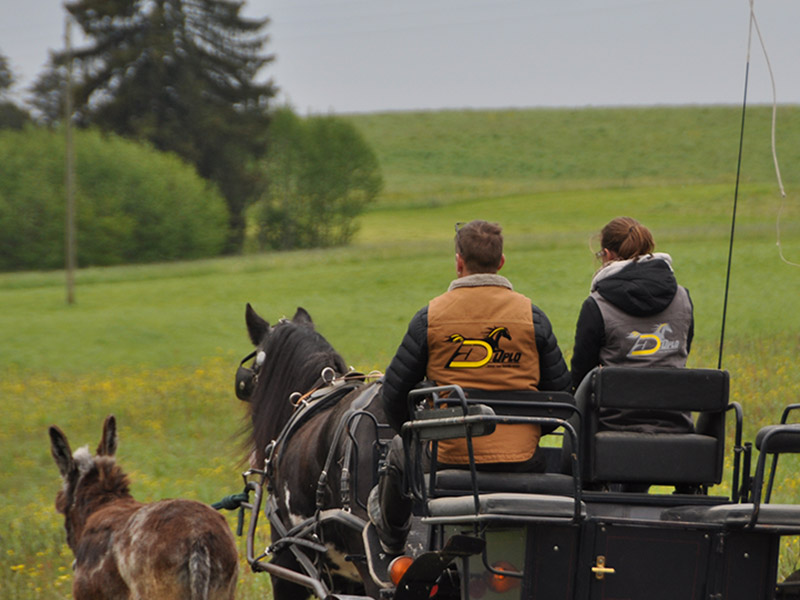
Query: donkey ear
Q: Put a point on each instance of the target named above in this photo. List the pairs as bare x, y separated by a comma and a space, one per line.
301, 317
59, 448
257, 327
108, 443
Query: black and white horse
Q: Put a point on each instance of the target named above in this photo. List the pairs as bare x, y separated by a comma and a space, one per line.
314, 431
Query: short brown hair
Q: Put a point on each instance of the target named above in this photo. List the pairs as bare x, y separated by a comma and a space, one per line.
627, 237
480, 245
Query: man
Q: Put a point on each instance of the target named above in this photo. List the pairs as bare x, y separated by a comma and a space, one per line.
479, 334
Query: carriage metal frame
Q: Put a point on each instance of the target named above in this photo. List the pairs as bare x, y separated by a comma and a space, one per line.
566, 534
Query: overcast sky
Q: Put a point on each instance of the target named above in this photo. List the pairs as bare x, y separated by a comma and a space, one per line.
373, 55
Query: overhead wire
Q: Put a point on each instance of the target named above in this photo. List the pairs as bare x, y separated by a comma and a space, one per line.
754, 21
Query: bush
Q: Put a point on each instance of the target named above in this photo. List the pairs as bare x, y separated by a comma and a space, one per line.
134, 204
322, 174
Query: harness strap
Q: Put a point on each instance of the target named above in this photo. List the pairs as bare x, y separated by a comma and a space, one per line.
356, 407
318, 398
353, 419
308, 534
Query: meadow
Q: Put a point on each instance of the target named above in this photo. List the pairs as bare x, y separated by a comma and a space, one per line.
158, 345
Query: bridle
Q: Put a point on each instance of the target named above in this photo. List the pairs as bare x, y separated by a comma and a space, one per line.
247, 377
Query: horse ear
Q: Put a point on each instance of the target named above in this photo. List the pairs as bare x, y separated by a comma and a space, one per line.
257, 327
59, 448
108, 443
301, 317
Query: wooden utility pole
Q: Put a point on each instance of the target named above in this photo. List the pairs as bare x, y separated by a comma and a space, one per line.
69, 178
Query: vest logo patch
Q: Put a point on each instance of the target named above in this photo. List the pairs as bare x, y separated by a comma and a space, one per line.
647, 344
476, 353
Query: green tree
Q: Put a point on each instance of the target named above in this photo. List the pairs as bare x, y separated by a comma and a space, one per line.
135, 204
11, 115
322, 174
181, 74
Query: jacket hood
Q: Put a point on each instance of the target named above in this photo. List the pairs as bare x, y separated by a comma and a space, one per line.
641, 286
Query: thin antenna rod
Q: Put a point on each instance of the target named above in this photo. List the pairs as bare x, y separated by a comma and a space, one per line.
735, 193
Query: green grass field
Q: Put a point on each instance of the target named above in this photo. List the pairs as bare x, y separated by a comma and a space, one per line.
158, 345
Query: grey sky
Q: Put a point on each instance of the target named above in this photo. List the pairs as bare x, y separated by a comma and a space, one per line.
372, 55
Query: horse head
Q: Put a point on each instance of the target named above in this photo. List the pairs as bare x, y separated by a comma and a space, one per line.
495, 334
662, 329
85, 476
290, 357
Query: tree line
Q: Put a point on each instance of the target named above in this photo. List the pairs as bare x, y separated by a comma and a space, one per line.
185, 78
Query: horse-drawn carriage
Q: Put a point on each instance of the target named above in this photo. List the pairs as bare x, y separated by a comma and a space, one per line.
574, 532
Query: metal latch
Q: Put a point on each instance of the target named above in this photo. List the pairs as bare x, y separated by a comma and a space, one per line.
600, 569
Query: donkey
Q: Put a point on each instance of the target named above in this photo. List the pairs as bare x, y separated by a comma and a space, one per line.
124, 549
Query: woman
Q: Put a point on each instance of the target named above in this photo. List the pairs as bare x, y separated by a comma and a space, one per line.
635, 316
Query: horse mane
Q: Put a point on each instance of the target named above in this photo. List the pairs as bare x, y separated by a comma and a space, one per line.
296, 354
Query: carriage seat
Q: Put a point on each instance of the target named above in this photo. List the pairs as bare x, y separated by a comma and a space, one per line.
771, 440
622, 456
550, 410
455, 482
495, 507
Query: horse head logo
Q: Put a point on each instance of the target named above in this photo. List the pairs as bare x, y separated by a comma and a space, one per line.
647, 344
475, 353
494, 335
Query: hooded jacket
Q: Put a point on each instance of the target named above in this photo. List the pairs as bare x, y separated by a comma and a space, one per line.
635, 315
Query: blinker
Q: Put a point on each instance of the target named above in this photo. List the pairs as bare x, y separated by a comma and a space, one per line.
247, 377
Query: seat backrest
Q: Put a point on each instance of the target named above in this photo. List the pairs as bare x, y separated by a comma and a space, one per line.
699, 390
481, 410
639, 446
774, 440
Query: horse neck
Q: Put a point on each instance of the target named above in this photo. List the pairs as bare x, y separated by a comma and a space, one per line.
276, 408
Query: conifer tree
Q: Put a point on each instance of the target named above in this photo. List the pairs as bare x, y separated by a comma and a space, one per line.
181, 74
11, 115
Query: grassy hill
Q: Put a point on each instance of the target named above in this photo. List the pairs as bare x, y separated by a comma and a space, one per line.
158, 344
551, 177
439, 157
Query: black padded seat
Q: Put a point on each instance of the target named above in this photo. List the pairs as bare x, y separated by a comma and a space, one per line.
781, 438
774, 440
629, 455
530, 506
655, 458
453, 482
781, 516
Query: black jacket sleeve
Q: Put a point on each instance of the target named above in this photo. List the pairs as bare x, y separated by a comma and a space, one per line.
589, 339
690, 335
406, 370
553, 373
